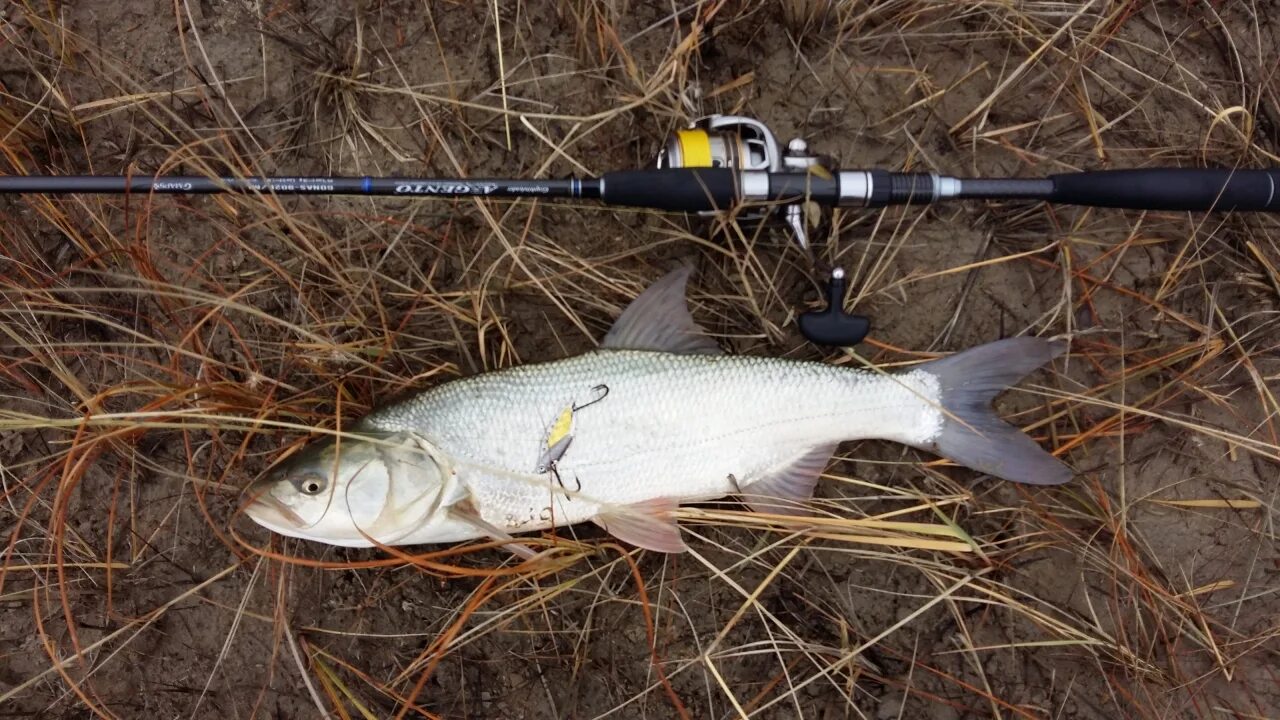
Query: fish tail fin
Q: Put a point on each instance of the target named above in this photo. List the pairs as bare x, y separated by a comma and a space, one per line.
972, 434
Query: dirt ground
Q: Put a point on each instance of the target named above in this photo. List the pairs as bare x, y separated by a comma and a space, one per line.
158, 353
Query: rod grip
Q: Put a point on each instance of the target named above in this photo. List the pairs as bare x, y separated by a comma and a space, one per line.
1192, 189
673, 189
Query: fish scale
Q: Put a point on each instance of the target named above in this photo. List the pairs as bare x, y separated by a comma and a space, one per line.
674, 426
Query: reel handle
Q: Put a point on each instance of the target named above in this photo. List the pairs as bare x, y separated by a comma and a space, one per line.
832, 325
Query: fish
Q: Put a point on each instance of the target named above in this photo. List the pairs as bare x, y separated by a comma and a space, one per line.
656, 417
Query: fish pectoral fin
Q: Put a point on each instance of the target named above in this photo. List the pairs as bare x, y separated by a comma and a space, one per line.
784, 491
464, 512
650, 525
659, 319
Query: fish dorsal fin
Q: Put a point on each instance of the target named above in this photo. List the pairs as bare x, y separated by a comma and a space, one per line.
650, 524
784, 491
659, 319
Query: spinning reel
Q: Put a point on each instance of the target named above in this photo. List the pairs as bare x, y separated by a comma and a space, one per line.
743, 143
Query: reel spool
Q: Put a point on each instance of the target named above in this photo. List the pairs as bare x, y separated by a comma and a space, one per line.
723, 141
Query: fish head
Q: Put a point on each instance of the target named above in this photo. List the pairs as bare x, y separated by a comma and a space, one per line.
356, 491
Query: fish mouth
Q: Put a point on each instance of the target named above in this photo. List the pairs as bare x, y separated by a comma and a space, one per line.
266, 510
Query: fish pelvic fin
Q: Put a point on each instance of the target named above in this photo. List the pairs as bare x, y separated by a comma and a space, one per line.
972, 435
465, 512
650, 524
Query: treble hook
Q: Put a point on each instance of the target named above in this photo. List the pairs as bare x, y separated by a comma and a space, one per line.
555, 473
602, 396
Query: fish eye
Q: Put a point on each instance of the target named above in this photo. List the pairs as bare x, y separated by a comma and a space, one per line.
311, 483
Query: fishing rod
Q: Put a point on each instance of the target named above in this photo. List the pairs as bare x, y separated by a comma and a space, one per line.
721, 163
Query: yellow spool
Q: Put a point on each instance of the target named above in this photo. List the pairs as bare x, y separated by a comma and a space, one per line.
695, 148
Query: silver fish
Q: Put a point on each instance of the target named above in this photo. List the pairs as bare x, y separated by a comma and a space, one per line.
620, 436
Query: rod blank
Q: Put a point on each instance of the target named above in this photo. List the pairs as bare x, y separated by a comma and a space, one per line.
192, 185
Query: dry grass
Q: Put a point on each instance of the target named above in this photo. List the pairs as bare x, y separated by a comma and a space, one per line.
156, 353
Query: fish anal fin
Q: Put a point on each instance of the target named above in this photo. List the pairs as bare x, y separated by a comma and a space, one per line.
784, 491
659, 319
650, 525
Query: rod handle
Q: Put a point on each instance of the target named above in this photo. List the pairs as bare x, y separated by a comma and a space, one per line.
672, 189
1192, 189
